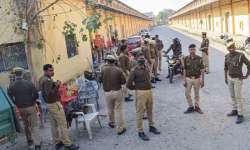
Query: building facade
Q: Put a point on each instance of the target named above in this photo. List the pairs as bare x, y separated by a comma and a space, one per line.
219, 16
47, 41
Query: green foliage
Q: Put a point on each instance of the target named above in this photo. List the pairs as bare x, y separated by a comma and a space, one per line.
69, 28
93, 22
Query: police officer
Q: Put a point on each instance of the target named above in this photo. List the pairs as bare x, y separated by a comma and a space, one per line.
139, 80
234, 79
154, 57
125, 65
193, 78
146, 52
113, 79
204, 48
24, 96
50, 92
159, 46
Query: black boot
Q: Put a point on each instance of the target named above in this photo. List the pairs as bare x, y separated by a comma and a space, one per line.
59, 145
153, 81
157, 79
232, 113
71, 147
37, 147
143, 136
128, 99
154, 130
240, 119
189, 110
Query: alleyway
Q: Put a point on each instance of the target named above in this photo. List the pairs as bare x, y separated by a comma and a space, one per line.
210, 131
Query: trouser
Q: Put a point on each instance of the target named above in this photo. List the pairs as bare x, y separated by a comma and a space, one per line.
100, 54
114, 100
58, 121
144, 102
205, 59
236, 89
125, 90
155, 70
30, 121
152, 67
193, 83
160, 59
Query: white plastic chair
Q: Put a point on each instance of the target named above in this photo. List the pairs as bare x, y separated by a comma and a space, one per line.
86, 119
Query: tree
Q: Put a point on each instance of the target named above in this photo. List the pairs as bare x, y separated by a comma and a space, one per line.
163, 15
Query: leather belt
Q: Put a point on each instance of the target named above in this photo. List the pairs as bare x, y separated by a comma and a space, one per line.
193, 77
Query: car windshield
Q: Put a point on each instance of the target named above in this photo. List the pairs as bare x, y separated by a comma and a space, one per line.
133, 40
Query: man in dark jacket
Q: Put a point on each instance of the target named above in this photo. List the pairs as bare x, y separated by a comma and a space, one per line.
24, 96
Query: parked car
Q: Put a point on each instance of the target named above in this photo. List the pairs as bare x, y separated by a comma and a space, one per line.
144, 32
133, 42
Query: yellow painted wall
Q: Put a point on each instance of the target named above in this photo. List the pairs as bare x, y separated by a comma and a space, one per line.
241, 18
237, 12
66, 68
9, 30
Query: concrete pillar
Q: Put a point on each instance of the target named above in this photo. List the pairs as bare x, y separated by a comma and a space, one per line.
233, 18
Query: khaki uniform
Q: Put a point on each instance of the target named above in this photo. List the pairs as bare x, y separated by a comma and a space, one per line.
56, 112
113, 79
139, 80
193, 68
233, 66
159, 46
30, 121
125, 65
205, 56
154, 60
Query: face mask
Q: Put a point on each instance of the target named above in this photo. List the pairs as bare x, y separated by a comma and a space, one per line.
141, 62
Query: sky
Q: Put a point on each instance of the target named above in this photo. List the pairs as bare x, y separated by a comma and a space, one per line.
156, 5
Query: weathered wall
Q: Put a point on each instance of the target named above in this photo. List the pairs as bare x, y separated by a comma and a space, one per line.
55, 51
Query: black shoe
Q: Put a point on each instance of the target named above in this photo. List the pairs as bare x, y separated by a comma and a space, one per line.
198, 110
154, 130
37, 147
145, 117
143, 136
189, 110
122, 132
153, 81
71, 147
128, 99
240, 119
232, 113
153, 87
168, 77
59, 145
157, 79
30, 143
111, 125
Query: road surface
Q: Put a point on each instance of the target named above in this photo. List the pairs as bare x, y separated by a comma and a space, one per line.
210, 131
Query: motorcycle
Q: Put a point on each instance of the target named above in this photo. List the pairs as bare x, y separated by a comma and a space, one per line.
174, 67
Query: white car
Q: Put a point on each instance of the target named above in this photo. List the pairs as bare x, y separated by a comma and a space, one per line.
144, 32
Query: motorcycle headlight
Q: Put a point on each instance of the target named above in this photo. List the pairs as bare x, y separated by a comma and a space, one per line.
171, 61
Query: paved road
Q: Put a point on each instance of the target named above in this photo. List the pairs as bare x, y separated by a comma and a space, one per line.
210, 131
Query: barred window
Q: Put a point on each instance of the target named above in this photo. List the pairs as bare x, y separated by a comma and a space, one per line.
12, 55
71, 45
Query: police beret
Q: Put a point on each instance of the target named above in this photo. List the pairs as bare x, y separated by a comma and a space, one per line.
110, 57
230, 44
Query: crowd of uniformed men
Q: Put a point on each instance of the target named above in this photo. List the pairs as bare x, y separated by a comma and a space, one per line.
120, 76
